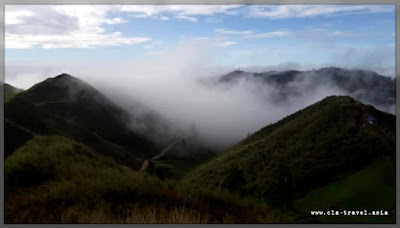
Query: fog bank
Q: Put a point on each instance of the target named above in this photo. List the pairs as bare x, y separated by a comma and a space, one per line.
176, 94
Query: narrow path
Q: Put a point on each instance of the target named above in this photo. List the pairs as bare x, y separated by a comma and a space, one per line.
145, 163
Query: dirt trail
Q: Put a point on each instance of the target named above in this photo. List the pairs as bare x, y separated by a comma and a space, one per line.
145, 163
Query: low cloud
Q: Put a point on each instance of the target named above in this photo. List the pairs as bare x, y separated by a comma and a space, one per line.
268, 34
184, 17
179, 86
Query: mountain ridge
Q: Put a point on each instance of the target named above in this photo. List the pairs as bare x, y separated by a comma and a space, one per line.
364, 85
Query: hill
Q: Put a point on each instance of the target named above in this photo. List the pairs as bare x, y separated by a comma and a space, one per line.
307, 150
74, 100
41, 122
10, 91
67, 106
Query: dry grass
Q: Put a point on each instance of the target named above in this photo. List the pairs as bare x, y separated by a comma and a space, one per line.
161, 214
135, 214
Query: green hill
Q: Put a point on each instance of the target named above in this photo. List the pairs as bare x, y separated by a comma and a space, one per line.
10, 91
28, 116
67, 106
75, 100
309, 149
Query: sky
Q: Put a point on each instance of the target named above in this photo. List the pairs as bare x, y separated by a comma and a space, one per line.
50, 39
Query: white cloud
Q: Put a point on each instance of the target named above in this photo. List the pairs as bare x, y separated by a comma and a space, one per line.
293, 11
201, 9
268, 34
183, 17
14, 17
82, 40
251, 34
346, 34
226, 43
142, 15
63, 26
115, 20
141, 11
179, 11
224, 31
81, 26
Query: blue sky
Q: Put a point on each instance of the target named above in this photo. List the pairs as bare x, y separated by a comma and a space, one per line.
306, 36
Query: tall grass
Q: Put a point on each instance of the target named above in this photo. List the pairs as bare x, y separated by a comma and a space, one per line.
52, 179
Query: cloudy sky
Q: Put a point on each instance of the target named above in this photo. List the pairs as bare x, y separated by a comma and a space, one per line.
44, 40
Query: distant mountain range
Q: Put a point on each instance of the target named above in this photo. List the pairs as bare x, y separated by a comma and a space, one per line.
366, 86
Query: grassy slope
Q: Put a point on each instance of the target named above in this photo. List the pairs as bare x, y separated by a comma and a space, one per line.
306, 150
173, 165
41, 122
52, 179
14, 137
